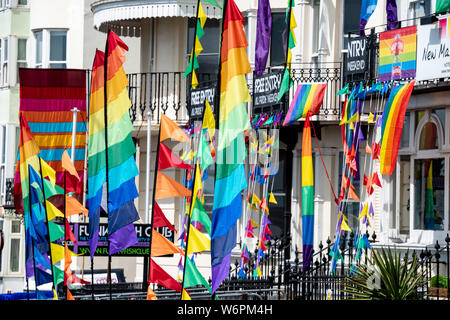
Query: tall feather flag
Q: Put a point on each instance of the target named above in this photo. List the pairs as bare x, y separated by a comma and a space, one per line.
367, 8
392, 125
263, 35
96, 150
233, 120
286, 82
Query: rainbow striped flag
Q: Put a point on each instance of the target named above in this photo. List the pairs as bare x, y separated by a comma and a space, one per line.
233, 120
114, 165
308, 99
398, 54
47, 97
392, 125
307, 196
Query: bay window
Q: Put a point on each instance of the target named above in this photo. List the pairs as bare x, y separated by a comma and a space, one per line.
50, 48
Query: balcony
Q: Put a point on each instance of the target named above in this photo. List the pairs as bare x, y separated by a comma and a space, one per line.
165, 92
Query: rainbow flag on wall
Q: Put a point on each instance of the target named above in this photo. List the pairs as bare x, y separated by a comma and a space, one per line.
398, 54
308, 98
392, 125
47, 97
233, 120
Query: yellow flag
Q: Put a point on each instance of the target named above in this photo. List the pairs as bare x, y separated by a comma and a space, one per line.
58, 252
201, 15
344, 226
52, 211
198, 242
194, 79
364, 211
208, 120
371, 118
48, 171
197, 185
185, 295
198, 46
272, 198
55, 296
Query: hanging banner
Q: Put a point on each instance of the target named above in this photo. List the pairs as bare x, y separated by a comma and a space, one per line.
397, 59
197, 102
81, 233
266, 89
433, 50
356, 61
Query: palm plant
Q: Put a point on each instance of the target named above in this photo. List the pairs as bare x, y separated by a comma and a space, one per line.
387, 276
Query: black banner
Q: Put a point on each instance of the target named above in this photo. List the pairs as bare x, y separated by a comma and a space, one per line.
197, 102
143, 231
356, 61
266, 88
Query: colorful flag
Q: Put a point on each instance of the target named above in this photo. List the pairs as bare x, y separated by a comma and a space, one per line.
233, 120
121, 165
263, 36
308, 99
307, 196
193, 277
169, 129
198, 242
392, 126
96, 150
442, 5
367, 8
47, 97
159, 276
161, 246
168, 159
167, 187
398, 54
159, 218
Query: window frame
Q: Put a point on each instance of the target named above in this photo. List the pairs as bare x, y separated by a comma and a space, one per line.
46, 48
4, 61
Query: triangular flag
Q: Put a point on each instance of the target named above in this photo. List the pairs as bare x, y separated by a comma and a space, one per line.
193, 277
55, 296
168, 159
167, 188
376, 179
48, 172
159, 218
55, 230
199, 214
213, 2
159, 276
368, 149
272, 198
208, 120
69, 234
344, 226
197, 185
67, 164
161, 246
151, 294
52, 211
69, 295
204, 153
352, 194
364, 211
198, 242
185, 295
371, 118
169, 129
201, 15
74, 207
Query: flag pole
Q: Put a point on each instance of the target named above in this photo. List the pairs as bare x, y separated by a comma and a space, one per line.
47, 222
32, 240
105, 73
147, 190
64, 267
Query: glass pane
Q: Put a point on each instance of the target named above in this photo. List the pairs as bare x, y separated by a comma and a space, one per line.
14, 255
429, 194
404, 194
38, 37
22, 49
428, 137
352, 10
5, 49
277, 47
404, 142
58, 65
441, 115
15, 226
23, 2
58, 45
210, 39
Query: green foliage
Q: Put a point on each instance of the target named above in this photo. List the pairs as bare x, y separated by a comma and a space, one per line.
387, 276
443, 282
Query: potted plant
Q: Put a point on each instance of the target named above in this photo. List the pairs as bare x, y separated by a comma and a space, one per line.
438, 286
387, 276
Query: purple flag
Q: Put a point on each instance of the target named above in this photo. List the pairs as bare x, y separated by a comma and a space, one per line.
391, 14
263, 30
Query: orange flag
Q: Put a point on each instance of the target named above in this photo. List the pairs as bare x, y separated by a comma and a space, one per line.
167, 188
352, 194
67, 164
74, 207
69, 295
162, 246
169, 129
151, 294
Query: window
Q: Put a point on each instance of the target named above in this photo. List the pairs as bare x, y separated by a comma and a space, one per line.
352, 9
5, 3
278, 39
50, 48
23, 2
15, 245
316, 26
209, 57
21, 55
4, 62
417, 9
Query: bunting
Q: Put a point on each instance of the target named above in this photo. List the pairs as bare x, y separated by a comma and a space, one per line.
233, 120
308, 99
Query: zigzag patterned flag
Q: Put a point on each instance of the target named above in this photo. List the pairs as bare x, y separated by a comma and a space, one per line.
233, 120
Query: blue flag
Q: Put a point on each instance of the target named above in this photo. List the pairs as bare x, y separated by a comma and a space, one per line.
367, 8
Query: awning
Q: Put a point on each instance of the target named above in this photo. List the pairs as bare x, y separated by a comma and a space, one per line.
124, 16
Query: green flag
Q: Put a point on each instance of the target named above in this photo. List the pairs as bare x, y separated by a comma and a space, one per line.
344, 90
55, 230
50, 190
286, 83
58, 275
189, 67
213, 2
199, 215
442, 5
193, 277
204, 153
